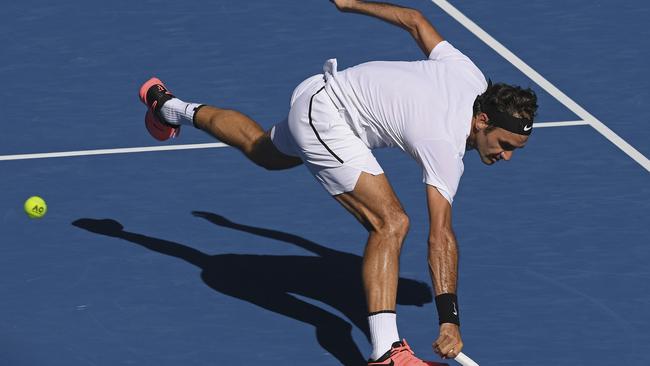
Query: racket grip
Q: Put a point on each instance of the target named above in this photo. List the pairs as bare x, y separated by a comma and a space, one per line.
464, 360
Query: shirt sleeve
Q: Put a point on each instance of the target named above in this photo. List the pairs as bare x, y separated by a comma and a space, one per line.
445, 51
442, 166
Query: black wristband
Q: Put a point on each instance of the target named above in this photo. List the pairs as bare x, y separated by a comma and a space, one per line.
447, 305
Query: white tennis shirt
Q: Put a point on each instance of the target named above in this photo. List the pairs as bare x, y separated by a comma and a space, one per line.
422, 107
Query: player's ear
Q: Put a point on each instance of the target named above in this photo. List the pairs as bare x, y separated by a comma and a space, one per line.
481, 122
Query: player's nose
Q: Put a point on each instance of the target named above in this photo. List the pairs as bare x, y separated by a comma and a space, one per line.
506, 155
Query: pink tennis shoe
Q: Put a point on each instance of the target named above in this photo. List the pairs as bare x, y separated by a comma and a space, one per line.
400, 354
154, 94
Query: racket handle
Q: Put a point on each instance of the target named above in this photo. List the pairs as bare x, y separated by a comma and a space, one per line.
464, 360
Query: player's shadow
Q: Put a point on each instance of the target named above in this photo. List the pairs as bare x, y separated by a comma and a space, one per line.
270, 281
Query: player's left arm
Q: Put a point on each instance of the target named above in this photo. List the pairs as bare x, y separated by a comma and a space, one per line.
443, 267
411, 20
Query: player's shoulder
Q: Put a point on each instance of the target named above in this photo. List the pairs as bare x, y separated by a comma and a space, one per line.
459, 66
445, 51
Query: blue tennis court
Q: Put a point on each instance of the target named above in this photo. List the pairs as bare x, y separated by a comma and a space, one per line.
194, 256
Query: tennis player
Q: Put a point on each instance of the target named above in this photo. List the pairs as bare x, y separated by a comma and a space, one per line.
434, 110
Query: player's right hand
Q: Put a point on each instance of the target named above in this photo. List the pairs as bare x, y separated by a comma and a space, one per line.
344, 5
448, 344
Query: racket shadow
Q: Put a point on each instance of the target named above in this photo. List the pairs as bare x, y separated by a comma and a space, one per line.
269, 281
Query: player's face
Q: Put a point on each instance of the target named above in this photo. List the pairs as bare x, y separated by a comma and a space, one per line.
498, 144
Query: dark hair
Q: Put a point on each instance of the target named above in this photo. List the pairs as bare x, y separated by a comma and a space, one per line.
509, 99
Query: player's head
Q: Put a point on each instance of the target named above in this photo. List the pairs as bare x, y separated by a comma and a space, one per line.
502, 121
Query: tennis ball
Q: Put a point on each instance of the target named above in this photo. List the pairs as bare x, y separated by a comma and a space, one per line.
35, 207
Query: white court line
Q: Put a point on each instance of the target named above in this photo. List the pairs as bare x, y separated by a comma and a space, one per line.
545, 84
560, 124
65, 154
127, 150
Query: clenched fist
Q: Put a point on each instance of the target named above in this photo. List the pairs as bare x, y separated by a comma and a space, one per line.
448, 344
343, 5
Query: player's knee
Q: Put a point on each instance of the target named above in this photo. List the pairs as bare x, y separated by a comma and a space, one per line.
263, 162
402, 224
275, 164
268, 163
257, 152
263, 153
392, 229
395, 224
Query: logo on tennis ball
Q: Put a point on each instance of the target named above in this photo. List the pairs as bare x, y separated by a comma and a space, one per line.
35, 207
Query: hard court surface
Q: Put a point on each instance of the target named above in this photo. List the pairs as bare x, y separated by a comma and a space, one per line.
220, 262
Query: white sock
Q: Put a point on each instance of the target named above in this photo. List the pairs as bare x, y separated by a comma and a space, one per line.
177, 112
383, 332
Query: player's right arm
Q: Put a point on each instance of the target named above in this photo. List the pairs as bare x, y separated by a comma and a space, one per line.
411, 20
443, 267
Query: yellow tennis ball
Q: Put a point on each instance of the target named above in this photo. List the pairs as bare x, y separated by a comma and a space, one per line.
35, 207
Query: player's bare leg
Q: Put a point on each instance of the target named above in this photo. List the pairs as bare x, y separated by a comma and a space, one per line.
166, 114
376, 206
238, 130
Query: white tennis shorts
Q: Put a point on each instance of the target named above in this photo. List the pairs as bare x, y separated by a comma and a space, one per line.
317, 131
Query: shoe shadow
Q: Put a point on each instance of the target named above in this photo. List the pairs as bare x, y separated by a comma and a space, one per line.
270, 281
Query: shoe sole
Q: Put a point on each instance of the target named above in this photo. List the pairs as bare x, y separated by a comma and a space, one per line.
157, 129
